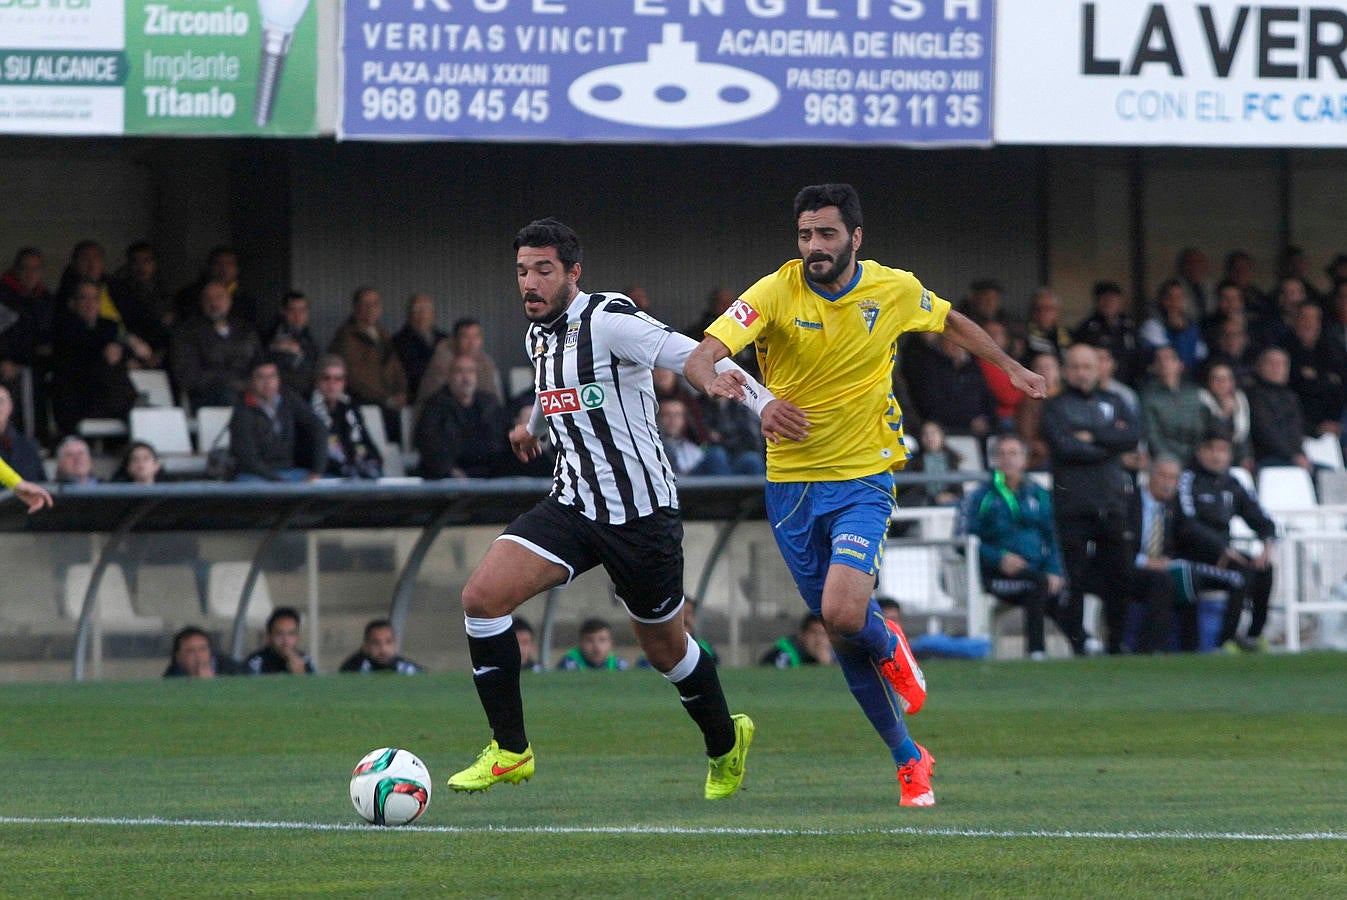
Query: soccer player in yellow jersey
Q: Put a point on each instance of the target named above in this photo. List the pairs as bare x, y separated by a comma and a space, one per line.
825, 328
34, 495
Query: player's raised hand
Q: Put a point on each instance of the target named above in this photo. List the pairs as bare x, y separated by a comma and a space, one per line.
525, 445
782, 420
1029, 382
728, 384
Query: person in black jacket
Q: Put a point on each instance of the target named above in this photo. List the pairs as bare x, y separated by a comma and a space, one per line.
273, 434
1276, 420
281, 654
462, 430
194, 656
1087, 432
1209, 497
379, 652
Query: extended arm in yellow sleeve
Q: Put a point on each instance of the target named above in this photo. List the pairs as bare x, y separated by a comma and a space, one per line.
34, 495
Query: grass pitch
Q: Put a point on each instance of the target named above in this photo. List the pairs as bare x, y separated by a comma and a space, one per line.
1175, 776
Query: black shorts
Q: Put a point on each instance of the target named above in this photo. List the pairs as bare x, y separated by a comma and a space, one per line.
643, 557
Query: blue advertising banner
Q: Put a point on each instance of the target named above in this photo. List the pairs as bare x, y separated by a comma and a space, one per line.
738, 71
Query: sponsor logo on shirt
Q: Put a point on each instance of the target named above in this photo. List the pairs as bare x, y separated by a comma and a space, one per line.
571, 400
926, 300
572, 334
742, 313
813, 326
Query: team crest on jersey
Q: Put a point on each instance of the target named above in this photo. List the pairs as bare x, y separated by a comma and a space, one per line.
572, 335
742, 313
571, 400
926, 300
869, 312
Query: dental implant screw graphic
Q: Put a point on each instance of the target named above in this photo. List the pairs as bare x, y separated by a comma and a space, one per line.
279, 18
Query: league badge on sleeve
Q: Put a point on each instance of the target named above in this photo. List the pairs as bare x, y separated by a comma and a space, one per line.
742, 313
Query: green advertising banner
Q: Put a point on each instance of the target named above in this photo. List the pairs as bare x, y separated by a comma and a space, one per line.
185, 67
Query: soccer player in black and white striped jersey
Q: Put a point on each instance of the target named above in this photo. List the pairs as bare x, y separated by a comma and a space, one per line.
613, 503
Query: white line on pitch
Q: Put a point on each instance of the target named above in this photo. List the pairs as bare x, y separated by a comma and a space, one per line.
655, 829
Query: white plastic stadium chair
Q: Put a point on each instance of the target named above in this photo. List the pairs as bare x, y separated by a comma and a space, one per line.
224, 589
152, 385
373, 416
165, 429
1282, 488
113, 604
1324, 450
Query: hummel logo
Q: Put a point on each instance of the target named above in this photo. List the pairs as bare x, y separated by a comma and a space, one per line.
498, 770
484, 670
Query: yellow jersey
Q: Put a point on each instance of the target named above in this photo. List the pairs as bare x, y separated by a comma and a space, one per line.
833, 356
8, 477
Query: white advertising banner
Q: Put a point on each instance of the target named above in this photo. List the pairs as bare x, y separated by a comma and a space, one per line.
1178, 72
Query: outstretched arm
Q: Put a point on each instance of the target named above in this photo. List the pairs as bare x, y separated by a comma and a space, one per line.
969, 335
710, 370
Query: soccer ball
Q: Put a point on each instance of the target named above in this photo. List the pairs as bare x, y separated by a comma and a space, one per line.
390, 787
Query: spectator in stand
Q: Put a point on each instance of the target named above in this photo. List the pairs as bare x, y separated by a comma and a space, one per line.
686, 456
27, 309
222, 267
1020, 559
89, 379
1227, 411
88, 262
379, 652
1234, 349
212, 352
737, 430
1318, 369
281, 654
194, 656
1293, 263
1191, 270
1112, 328
935, 459
1087, 431
1172, 327
1276, 421
594, 651
290, 344
1109, 381
1229, 302
462, 431
1209, 497
1029, 417
1172, 417
351, 452
417, 340
465, 341
1278, 329
16, 448
953, 391
983, 303
809, 646
373, 371
1239, 269
1044, 332
141, 465
638, 295
1336, 270
74, 462
1006, 396
273, 434
1335, 322
145, 305
528, 645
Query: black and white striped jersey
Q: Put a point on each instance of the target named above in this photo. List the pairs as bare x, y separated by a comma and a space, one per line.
592, 376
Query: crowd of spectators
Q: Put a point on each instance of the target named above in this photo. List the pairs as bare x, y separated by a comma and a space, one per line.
1259, 366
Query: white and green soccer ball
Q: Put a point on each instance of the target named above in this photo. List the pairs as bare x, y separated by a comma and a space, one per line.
390, 787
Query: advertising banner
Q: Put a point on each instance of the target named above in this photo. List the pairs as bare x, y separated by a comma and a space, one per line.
740, 71
190, 67
1177, 72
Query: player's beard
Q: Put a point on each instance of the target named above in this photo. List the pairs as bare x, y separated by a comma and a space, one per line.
556, 304
830, 276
